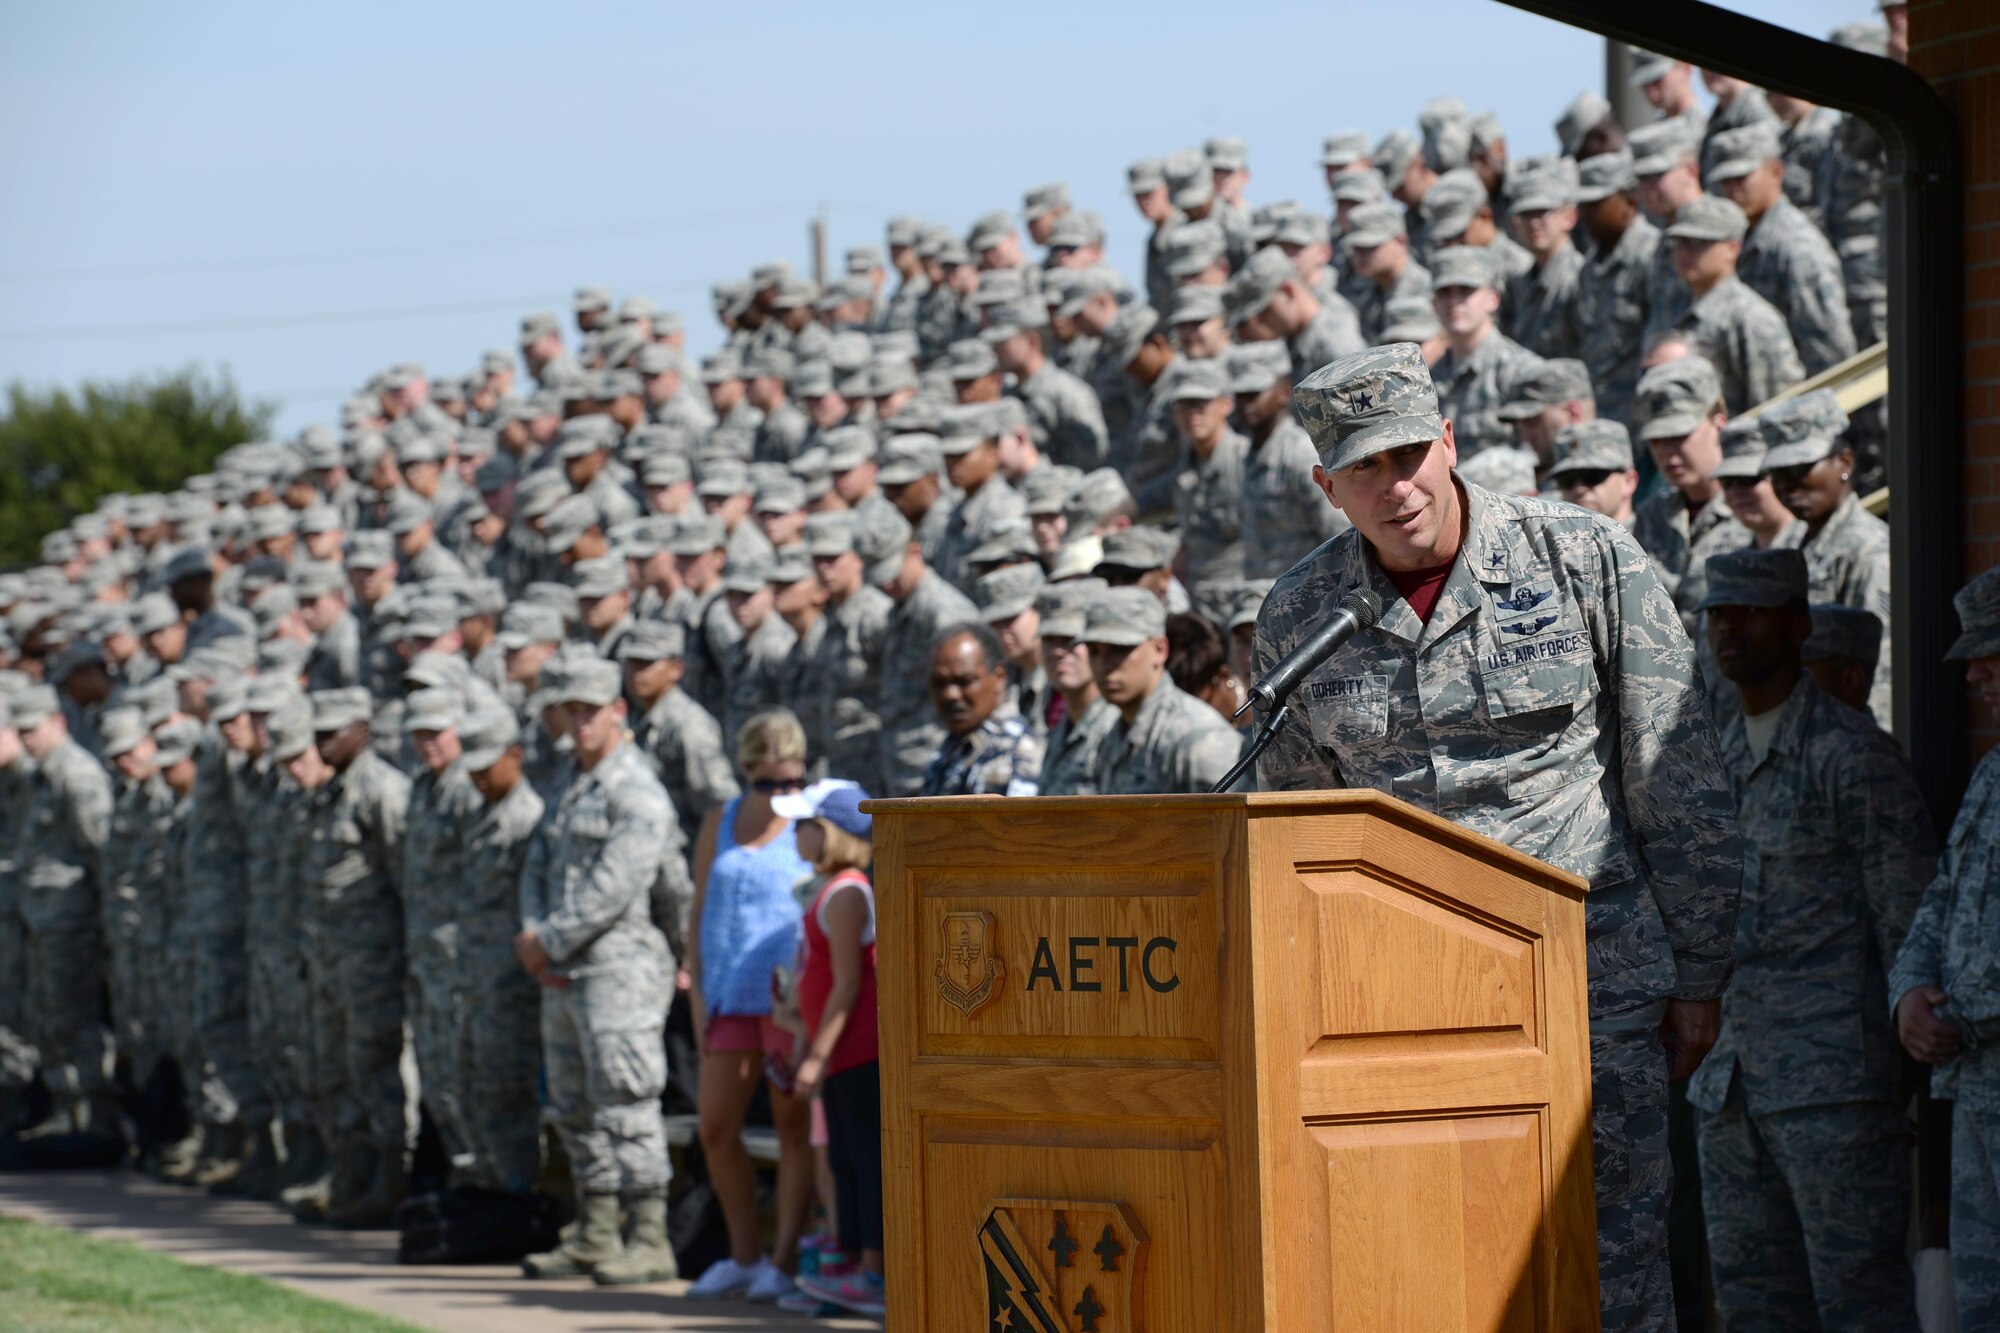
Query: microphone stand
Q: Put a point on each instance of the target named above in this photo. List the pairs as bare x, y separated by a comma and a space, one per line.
1267, 733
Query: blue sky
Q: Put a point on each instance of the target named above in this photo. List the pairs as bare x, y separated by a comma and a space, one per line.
304, 194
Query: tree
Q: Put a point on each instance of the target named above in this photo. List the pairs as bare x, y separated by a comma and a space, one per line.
60, 450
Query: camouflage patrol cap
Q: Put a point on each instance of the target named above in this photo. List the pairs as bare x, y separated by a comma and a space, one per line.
1604, 175
1867, 38
433, 710
1646, 67
1081, 285
408, 511
32, 707
1409, 319
861, 260
591, 298
1843, 631
665, 469
284, 658
586, 678
882, 544
1127, 334
1556, 381
1593, 446
189, 562
1501, 468
848, 447
1451, 203
1006, 541
120, 731
1736, 153
970, 359
830, 534
1462, 266
1255, 367
1020, 315
1246, 600
813, 379
1190, 182
1006, 593
1343, 147
75, 655
1146, 175
1750, 577
779, 495
1300, 228
908, 458
429, 616
567, 522
1194, 246
890, 375
1368, 402
814, 473
603, 576
177, 741
1047, 489
1582, 115
1673, 399
1098, 495
1124, 618
1978, 604
527, 623
1139, 548
1201, 381
904, 230
485, 736
719, 478
721, 367
659, 359
1661, 146
540, 492
1395, 153
988, 230
770, 363
794, 294
1375, 224
1802, 429
1541, 190
291, 731
1062, 606
1077, 228
1708, 218
154, 612
1044, 199
1250, 291
1226, 153
965, 427
334, 709
266, 695
1742, 449
1364, 185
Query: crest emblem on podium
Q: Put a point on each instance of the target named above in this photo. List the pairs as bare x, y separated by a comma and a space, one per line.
1058, 1267
969, 970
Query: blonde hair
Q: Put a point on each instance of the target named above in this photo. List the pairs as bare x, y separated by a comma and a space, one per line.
770, 737
841, 850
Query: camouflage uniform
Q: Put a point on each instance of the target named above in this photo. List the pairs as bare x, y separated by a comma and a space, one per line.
1805, 1169
1847, 562
132, 886
1786, 261
586, 893
1064, 417
1001, 757
1680, 546
335, 662
756, 669
63, 834
1212, 511
1074, 756
1291, 514
843, 682
1804, 148
1542, 306
1850, 193
1472, 392
1175, 743
972, 520
685, 747
1371, 301
441, 808
911, 733
1329, 335
1619, 783
1747, 340
1612, 306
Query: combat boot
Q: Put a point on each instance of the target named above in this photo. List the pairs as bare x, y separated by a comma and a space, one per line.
177, 1161
376, 1206
594, 1242
228, 1149
258, 1175
309, 1201
67, 1117
649, 1256
305, 1157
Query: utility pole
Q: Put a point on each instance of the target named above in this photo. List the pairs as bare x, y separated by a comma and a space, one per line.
1628, 105
818, 233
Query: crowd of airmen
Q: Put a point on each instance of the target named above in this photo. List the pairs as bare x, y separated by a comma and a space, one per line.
393, 738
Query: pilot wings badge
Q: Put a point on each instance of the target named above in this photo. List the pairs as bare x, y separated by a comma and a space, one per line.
969, 970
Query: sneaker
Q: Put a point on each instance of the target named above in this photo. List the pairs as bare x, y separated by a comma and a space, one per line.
800, 1303
858, 1293
725, 1279
771, 1284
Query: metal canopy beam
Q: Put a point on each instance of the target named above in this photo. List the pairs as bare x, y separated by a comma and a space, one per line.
1921, 205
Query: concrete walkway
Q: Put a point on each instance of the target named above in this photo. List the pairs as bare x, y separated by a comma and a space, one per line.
359, 1267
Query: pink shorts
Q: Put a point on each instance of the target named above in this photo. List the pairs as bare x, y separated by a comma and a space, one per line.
748, 1032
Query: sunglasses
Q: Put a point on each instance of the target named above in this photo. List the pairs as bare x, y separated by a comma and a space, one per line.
1586, 477
777, 786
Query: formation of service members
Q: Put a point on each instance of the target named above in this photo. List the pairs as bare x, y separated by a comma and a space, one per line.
405, 726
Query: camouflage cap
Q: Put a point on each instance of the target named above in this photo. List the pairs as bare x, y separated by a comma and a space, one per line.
1462, 266
1361, 186
1190, 182
1604, 175
120, 731
988, 230
694, 534
1098, 495
1023, 314
1708, 218
830, 534
526, 623
882, 542
813, 379
1251, 290
721, 367
433, 710
1742, 449
1127, 334
1082, 285
1750, 577
908, 458
1375, 224
1076, 560
665, 469
187, 563
1661, 146
1843, 631
1255, 367
654, 641
1502, 468
291, 730
1201, 381
1734, 154
1124, 618
1585, 113
791, 564
1047, 489
592, 298
1646, 67
1006, 593
719, 478
335, 709
586, 678
848, 447
1139, 548
1368, 402
1226, 153
769, 363
1005, 541
1077, 228
783, 494
429, 616
1409, 319
266, 695
1300, 228
1194, 246
1556, 381
1195, 303
568, 521
970, 359
485, 736
1672, 399
604, 576
1246, 600
177, 741
1343, 147
1593, 446
558, 597
1978, 604
1867, 38
903, 230
1540, 190
1396, 152
890, 375
154, 612
1044, 199
408, 511
1801, 430
1451, 203
1062, 606
32, 707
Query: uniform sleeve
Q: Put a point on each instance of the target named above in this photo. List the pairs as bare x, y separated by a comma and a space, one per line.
89, 792
1898, 849
1770, 359
1211, 753
1818, 315
709, 775
1920, 960
1676, 790
534, 869
1080, 438
392, 822
624, 868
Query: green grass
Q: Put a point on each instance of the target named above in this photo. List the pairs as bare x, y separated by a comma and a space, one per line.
57, 1281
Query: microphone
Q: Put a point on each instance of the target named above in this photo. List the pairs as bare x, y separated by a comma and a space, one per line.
1361, 609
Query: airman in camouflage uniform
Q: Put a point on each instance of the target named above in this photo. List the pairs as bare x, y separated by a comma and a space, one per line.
925, 604
1542, 302
17, 1052
131, 885
1208, 494
1482, 369
1805, 1173
1291, 517
990, 750
1738, 330
1945, 985
1163, 739
1678, 407
1620, 784
1070, 759
1064, 417
673, 732
844, 677
1613, 290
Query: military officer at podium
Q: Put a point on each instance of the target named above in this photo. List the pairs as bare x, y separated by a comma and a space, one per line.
1531, 681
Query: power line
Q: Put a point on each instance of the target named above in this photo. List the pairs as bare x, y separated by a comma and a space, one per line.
175, 268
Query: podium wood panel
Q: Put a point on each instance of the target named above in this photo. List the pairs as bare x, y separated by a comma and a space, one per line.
1276, 1062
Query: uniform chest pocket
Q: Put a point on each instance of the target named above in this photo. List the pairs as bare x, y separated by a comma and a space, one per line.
1348, 710
590, 826
1535, 707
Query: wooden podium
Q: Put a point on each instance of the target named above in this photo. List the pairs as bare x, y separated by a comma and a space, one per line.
1223, 1064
